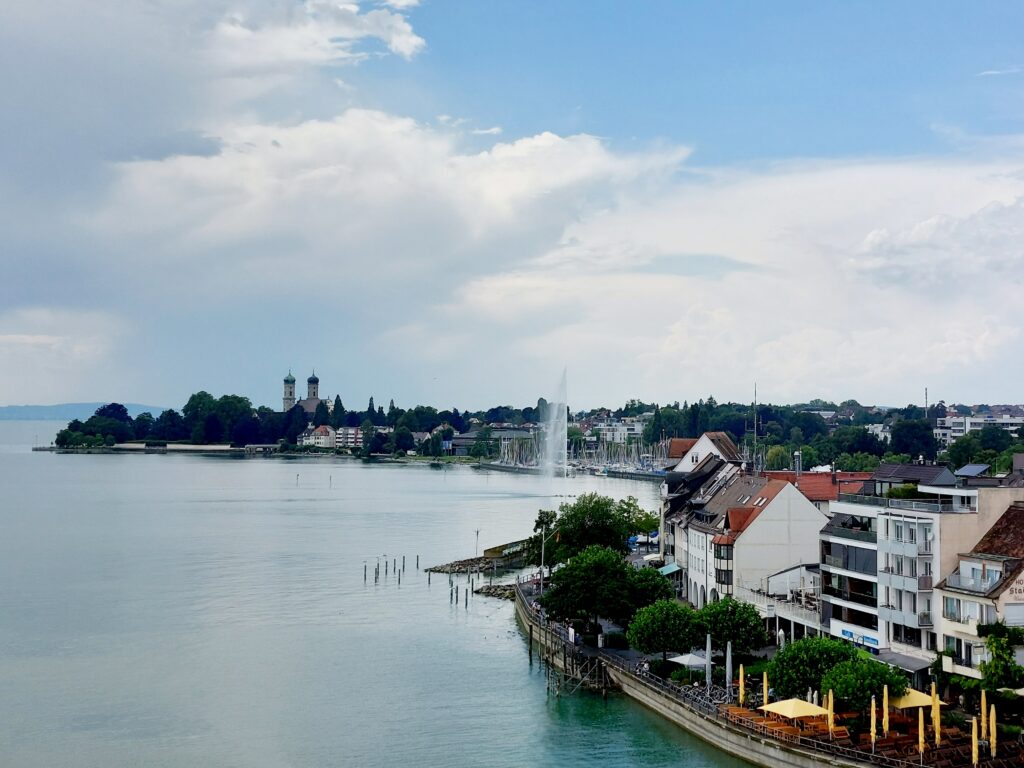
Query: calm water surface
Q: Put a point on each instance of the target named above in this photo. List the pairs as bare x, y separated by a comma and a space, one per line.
188, 611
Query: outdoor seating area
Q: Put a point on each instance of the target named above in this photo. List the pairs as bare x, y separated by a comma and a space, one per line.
900, 747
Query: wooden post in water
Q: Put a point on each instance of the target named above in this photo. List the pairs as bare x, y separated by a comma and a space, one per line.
531, 643
417, 562
467, 599
385, 567
428, 578
403, 562
364, 573
399, 578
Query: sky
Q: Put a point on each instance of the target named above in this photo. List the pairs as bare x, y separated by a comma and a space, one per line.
450, 203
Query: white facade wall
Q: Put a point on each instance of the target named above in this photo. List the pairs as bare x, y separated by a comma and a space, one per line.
784, 534
697, 454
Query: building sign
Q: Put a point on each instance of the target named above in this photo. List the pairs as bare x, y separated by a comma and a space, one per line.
769, 610
860, 638
1017, 589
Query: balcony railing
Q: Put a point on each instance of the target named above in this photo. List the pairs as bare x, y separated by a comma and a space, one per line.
966, 583
924, 583
924, 618
850, 597
912, 505
951, 616
857, 534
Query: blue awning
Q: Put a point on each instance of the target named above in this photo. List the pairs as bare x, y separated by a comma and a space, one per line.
668, 570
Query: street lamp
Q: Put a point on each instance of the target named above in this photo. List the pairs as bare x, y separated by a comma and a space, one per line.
543, 541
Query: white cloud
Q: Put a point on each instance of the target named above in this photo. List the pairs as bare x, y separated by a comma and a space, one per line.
999, 72
492, 131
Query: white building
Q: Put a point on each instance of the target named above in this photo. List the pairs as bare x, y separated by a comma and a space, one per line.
950, 428
709, 444
986, 585
319, 437
348, 437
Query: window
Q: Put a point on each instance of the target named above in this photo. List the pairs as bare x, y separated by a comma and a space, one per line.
898, 531
911, 534
723, 551
723, 576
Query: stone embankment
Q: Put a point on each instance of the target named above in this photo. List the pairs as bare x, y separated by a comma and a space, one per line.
500, 591
472, 565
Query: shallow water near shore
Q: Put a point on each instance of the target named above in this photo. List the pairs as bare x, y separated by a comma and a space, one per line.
183, 611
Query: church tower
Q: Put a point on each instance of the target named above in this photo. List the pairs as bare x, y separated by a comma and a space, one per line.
289, 392
313, 387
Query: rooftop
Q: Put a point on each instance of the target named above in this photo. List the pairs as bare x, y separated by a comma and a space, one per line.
823, 486
929, 474
678, 446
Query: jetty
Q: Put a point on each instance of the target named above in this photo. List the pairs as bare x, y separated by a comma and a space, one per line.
710, 713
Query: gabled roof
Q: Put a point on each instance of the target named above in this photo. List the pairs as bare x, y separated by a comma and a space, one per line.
678, 446
725, 445
745, 492
1006, 536
928, 474
819, 486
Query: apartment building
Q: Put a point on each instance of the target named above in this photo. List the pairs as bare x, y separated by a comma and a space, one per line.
948, 429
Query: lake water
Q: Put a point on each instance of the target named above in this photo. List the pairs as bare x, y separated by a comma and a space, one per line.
189, 611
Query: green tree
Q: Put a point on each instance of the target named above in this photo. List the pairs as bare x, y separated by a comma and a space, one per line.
321, 415
367, 431
803, 663
994, 438
114, 411
195, 410
646, 586
594, 583
663, 626
777, 458
403, 440
1001, 670
914, 436
729, 619
143, 425
590, 520
169, 426
338, 413
963, 450
854, 682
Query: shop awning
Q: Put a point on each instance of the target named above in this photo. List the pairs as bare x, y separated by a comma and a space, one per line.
668, 570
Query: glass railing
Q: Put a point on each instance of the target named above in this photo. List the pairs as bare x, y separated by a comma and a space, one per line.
924, 618
956, 581
914, 505
850, 597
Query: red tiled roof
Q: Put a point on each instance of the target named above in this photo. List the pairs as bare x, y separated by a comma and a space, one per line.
678, 446
818, 486
738, 519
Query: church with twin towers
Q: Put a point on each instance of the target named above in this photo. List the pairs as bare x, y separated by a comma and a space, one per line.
312, 399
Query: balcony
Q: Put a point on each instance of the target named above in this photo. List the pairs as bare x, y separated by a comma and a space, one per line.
924, 583
912, 505
954, 617
967, 584
924, 619
850, 597
839, 530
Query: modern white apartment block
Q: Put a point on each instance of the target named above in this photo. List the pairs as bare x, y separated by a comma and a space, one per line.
948, 429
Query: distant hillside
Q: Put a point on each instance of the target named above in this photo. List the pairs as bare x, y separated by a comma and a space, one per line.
66, 411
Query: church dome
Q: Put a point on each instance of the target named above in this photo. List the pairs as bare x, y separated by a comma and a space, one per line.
289, 379
313, 380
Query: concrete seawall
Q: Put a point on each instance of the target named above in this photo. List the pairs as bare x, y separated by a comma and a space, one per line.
708, 726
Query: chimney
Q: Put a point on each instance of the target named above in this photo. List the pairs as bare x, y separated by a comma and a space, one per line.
834, 482
797, 463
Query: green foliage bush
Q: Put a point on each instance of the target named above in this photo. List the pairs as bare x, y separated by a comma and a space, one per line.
803, 664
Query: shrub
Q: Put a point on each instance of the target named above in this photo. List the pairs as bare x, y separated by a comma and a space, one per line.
616, 641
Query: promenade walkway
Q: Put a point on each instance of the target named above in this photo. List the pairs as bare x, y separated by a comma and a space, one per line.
716, 704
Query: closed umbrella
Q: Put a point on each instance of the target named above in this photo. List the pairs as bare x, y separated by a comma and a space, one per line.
874, 722
920, 732
974, 741
764, 687
707, 664
992, 730
728, 668
831, 712
936, 718
743, 685
885, 710
984, 714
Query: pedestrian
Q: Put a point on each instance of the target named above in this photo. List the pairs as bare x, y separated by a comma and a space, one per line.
647, 667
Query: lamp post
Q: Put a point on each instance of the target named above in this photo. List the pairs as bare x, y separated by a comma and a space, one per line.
543, 541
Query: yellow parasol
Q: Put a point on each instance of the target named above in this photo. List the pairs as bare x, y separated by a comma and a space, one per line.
885, 710
831, 712
936, 717
911, 700
974, 741
920, 730
992, 730
743, 685
794, 709
873, 723
984, 714
764, 688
